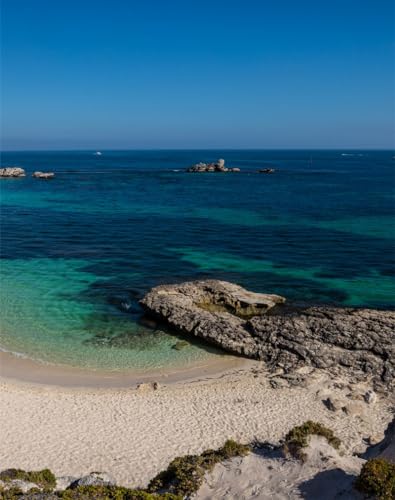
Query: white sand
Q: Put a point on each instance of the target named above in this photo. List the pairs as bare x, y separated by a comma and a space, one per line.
325, 475
134, 434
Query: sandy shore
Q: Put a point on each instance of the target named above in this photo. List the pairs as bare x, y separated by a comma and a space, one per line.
27, 370
132, 434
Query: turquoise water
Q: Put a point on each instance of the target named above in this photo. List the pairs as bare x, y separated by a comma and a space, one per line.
79, 252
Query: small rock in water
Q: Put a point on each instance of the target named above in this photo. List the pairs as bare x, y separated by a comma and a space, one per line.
180, 345
43, 175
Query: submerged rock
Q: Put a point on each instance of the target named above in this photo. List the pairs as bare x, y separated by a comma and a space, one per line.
12, 172
181, 344
43, 175
361, 341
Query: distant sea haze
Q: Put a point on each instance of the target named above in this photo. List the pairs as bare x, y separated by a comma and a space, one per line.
80, 250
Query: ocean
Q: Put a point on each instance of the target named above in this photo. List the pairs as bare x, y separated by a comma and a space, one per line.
79, 251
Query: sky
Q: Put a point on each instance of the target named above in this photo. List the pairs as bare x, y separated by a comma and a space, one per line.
145, 74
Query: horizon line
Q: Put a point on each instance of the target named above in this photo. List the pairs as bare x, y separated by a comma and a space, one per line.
197, 149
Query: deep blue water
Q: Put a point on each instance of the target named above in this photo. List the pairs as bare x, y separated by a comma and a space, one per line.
320, 229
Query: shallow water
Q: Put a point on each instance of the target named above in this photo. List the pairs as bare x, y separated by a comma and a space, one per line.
79, 251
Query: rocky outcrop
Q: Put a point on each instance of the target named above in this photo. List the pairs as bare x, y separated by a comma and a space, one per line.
19, 172
43, 175
23, 486
93, 479
262, 327
218, 166
12, 172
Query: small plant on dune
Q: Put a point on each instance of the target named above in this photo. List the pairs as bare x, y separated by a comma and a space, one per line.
298, 438
184, 475
232, 449
10, 494
377, 479
43, 478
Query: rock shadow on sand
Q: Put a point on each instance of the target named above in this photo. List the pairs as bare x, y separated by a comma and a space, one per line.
330, 485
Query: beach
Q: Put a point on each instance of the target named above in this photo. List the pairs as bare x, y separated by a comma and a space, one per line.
197, 286
133, 433
95, 377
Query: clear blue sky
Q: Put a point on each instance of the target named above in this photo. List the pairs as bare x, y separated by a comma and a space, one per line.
197, 74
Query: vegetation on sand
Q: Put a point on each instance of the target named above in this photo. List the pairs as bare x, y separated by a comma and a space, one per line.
87, 493
184, 475
377, 479
43, 478
298, 438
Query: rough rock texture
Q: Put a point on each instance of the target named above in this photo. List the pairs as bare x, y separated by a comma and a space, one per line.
361, 341
64, 482
43, 175
12, 172
218, 166
94, 479
24, 486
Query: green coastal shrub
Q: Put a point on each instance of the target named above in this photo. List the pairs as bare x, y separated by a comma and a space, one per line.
377, 479
111, 493
43, 478
184, 475
88, 493
298, 438
11, 494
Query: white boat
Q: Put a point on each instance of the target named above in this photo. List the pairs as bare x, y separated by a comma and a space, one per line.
98, 153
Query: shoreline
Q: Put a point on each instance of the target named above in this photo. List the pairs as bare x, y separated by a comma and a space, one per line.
27, 371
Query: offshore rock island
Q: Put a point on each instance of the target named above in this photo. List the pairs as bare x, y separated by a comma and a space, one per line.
218, 166
261, 326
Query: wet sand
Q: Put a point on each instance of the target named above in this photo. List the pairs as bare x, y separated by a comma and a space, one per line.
27, 370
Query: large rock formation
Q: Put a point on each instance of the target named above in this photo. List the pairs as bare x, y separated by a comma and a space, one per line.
218, 166
12, 172
361, 341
